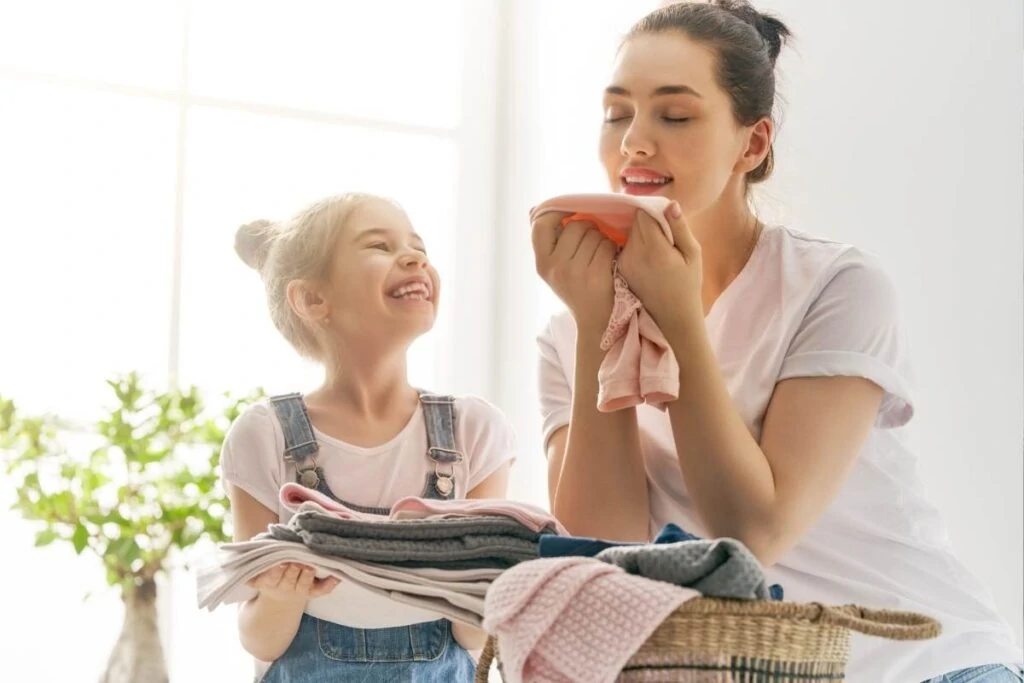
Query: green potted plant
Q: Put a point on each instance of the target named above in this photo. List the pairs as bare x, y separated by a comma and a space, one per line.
134, 490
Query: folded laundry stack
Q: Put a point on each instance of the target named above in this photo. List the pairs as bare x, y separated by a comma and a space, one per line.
437, 556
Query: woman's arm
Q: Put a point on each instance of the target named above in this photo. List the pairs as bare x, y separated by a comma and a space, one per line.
766, 495
597, 483
596, 479
836, 371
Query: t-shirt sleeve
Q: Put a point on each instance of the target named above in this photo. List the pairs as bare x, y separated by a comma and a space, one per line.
554, 387
854, 328
486, 436
251, 457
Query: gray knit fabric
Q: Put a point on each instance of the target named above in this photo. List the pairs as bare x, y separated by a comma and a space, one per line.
474, 543
724, 568
412, 529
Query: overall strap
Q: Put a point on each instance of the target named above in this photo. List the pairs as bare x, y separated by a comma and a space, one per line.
439, 417
299, 441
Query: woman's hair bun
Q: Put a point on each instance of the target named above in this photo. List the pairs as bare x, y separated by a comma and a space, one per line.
253, 242
772, 30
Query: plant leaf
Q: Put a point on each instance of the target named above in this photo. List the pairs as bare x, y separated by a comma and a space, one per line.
80, 538
46, 537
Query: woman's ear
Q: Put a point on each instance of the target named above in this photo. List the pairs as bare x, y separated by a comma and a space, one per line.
308, 301
759, 144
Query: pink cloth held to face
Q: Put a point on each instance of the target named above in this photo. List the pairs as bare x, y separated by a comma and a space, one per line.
574, 619
639, 366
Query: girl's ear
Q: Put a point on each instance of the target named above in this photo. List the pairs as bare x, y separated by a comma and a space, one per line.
307, 301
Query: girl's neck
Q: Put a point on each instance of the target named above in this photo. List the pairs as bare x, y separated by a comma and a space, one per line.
366, 385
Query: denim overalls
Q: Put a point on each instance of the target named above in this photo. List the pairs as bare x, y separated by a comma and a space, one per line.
325, 652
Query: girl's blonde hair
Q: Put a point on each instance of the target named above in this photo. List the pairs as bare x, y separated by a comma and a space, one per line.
300, 248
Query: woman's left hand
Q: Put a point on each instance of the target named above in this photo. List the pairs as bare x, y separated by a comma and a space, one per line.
665, 277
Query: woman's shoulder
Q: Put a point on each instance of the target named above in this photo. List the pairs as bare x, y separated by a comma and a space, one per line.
814, 262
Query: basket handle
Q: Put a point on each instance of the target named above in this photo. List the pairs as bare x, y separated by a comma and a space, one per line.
483, 667
881, 623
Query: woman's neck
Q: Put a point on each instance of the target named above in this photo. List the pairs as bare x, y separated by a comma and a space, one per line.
727, 233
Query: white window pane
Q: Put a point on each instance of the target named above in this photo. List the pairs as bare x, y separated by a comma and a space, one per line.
87, 208
121, 41
398, 60
242, 167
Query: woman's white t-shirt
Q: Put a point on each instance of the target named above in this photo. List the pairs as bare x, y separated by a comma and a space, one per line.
806, 307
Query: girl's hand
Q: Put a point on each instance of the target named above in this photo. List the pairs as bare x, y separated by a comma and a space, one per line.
666, 278
576, 262
291, 582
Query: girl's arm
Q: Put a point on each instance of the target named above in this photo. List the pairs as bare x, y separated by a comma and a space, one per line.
267, 623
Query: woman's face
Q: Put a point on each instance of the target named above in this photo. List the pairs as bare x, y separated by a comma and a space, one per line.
381, 281
669, 128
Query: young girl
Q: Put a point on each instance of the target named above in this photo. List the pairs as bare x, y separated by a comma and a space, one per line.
349, 285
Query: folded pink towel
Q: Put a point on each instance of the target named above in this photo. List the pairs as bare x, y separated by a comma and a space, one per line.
294, 495
574, 619
530, 516
639, 366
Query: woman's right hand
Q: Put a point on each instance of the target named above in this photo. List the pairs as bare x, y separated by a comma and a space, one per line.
291, 582
577, 263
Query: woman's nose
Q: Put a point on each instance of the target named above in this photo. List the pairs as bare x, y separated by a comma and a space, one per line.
636, 141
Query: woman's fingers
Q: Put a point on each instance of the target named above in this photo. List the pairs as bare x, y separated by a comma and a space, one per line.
545, 233
589, 246
685, 242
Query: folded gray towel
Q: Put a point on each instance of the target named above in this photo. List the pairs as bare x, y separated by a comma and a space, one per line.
464, 552
723, 568
456, 543
412, 529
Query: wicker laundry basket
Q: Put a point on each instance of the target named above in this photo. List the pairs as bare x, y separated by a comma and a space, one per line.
709, 640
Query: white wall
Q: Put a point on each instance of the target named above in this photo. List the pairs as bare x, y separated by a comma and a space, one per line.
902, 134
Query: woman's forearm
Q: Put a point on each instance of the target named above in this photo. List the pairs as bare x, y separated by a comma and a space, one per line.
601, 490
267, 627
727, 475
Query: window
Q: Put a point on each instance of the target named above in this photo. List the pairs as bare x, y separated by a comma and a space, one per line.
135, 138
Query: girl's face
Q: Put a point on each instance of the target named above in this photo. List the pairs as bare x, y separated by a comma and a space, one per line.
669, 128
381, 283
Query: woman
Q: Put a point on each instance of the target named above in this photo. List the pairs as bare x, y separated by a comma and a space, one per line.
789, 432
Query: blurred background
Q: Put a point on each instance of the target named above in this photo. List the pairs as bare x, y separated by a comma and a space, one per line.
136, 136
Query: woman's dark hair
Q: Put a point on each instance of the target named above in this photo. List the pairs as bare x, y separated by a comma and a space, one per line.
747, 44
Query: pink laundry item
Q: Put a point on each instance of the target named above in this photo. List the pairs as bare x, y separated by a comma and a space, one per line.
530, 516
574, 619
292, 495
639, 366
295, 497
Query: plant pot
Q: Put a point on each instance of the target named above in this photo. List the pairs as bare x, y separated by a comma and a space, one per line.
138, 654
